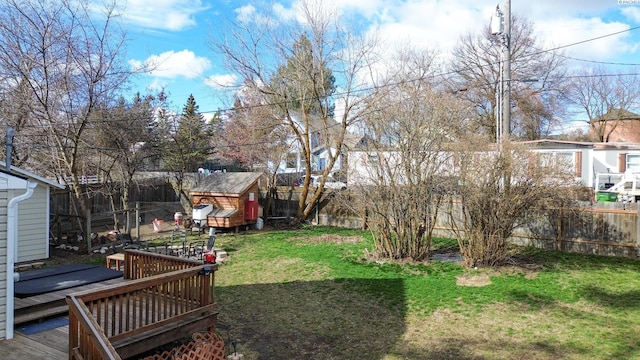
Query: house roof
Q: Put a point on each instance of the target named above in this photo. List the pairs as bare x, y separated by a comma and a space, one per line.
226, 182
617, 114
616, 146
557, 144
562, 144
29, 175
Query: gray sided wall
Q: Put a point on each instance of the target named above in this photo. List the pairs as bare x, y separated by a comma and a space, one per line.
33, 226
3, 262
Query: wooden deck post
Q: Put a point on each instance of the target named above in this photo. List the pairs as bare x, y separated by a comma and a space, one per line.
73, 332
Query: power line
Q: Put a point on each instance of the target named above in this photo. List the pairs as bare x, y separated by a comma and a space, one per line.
443, 74
594, 39
371, 88
599, 62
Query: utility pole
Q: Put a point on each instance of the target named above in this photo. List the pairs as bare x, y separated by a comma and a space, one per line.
506, 72
501, 28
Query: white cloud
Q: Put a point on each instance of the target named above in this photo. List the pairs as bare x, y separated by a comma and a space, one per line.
245, 14
541, 9
174, 15
437, 25
173, 64
568, 31
632, 13
366, 8
283, 13
157, 85
221, 81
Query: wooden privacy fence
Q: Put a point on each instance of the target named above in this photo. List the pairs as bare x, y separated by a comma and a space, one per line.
161, 304
593, 230
587, 230
600, 228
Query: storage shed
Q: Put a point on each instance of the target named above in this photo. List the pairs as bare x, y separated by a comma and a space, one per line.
233, 196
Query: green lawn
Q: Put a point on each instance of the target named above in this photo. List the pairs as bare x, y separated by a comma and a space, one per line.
312, 294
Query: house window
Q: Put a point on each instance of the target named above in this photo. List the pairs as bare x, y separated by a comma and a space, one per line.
292, 161
633, 162
563, 162
322, 163
373, 159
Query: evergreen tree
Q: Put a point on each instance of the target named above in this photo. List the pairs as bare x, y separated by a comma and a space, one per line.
306, 81
192, 138
188, 147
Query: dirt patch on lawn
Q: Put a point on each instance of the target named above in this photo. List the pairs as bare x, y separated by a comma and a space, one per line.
329, 238
483, 278
476, 280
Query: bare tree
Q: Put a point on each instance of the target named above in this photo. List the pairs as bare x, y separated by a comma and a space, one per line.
60, 60
399, 178
606, 98
537, 86
125, 136
268, 55
256, 139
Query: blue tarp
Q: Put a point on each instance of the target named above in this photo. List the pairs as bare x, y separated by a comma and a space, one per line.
35, 328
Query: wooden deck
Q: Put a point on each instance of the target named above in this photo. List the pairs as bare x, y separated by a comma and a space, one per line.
50, 344
50, 304
159, 300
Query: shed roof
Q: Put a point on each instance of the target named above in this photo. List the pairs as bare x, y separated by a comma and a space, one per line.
226, 183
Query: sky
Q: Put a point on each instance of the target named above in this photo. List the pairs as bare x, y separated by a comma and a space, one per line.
176, 34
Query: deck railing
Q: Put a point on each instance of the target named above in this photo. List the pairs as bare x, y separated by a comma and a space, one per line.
124, 320
140, 264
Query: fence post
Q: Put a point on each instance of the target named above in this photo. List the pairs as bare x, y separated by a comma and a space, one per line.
638, 231
137, 220
88, 234
559, 230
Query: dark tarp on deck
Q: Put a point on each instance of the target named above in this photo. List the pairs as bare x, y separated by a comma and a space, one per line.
61, 277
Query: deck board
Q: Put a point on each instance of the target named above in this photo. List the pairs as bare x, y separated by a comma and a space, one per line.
51, 344
61, 294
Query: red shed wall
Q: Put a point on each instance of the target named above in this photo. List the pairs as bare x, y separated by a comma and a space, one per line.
232, 201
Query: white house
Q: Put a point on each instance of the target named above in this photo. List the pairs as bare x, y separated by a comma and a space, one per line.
320, 134
586, 160
592, 159
24, 231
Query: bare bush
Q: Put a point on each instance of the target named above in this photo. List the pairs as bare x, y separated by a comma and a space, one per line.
498, 186
399, 174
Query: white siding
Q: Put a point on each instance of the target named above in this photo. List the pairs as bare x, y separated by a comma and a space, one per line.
33, 226
607, 160
3, 262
